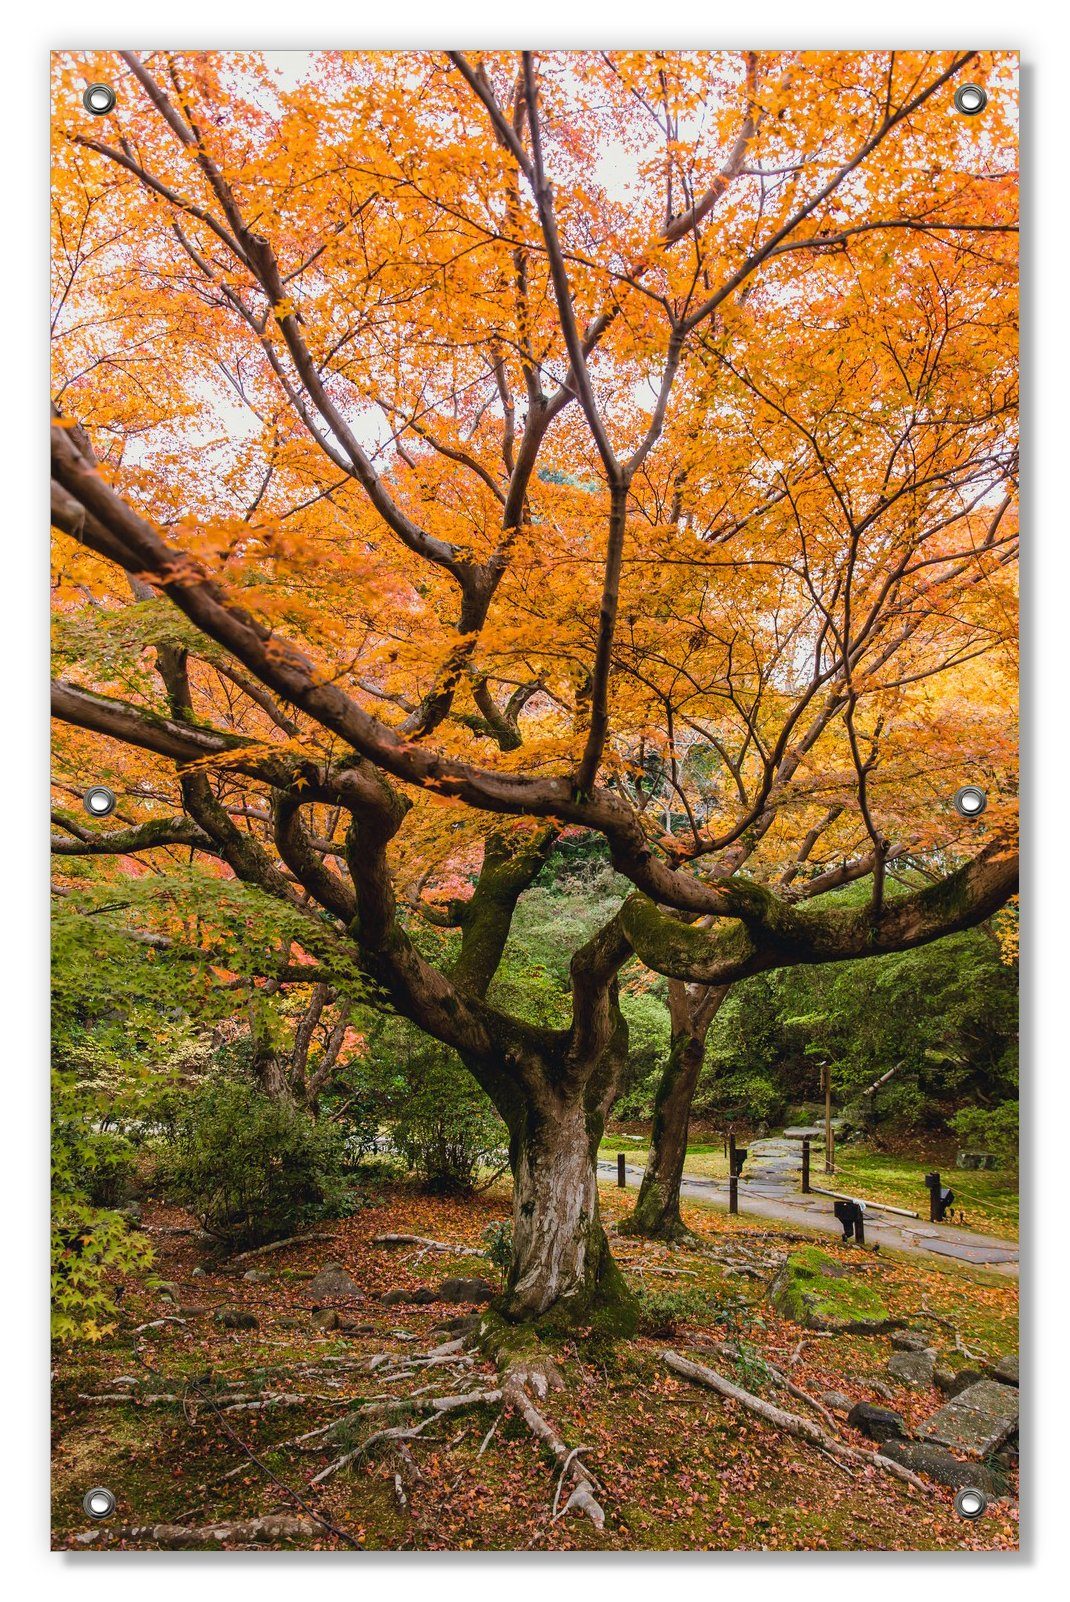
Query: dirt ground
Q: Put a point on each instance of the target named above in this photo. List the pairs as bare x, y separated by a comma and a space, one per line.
196, 1422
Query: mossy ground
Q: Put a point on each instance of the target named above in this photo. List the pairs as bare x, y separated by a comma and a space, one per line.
681, 1469
815, 1290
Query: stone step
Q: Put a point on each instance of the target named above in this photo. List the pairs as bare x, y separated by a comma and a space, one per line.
977, 1421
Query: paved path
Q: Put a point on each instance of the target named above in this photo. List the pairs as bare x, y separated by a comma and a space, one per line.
769, 1188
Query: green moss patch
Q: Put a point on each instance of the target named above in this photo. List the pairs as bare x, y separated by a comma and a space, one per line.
814, 1290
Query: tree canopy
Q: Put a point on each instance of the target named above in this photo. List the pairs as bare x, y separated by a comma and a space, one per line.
451, 453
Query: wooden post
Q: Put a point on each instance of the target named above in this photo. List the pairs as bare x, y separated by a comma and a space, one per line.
731, 1153
934, 1200
830, 1165
806, 1166
733, 1192
621, 1180
860, 1228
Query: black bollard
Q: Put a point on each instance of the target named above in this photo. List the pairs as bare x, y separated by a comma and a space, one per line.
806, 1167
621, 1181
733, 1193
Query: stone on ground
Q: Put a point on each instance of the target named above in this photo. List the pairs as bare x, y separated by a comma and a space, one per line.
879, 1423
938, 1463
814, 1290
909, 1340
1007, 1369
236, 1318
911, 1368
977, 1421
334, 1284
946, 1379
459, 1289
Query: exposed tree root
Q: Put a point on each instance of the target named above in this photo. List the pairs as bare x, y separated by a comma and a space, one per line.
398, 1433
240, 1403
780, 1379
960, 1345
791, 1423
242, 1532
428, 1245
277, 1246
584, 1482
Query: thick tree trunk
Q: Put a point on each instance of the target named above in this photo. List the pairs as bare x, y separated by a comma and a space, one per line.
657, 1211
562, 1268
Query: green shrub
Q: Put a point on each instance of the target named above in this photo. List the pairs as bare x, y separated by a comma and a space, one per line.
253, 1169
499, 1247
442, 1125
662, 1312
993, 1129
90, 1244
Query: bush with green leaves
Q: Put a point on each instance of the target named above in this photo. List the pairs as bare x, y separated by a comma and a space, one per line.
444, 1127
991, 1129
662, 1312
253, 1169
498, 1246
92, 1245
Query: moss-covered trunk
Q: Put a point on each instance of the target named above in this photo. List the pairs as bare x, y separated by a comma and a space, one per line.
562, 1268
657, 1211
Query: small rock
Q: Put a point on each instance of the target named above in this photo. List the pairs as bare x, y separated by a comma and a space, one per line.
881, 1389
939, 1465
255, 1276
951, 1384
467, 1324
836, 1402
909, 1340
167, 1288
289, 1322
911, 1368
879, 1423
1006, 1370
326, 1318
334, 1284
131, 1211
199, 1273
457, 1289
421, 1297
394, 1298
236, 1318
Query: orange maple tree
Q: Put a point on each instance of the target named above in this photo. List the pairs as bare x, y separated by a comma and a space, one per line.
448, 450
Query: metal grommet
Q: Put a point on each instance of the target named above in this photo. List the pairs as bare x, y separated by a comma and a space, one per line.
99, 98
99, 801
970, 1503
970, 800
970, 99
98, 1502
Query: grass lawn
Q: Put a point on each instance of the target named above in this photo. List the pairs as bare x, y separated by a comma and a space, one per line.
988, 1200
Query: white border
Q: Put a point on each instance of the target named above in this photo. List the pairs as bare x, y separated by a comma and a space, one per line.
1041, 33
